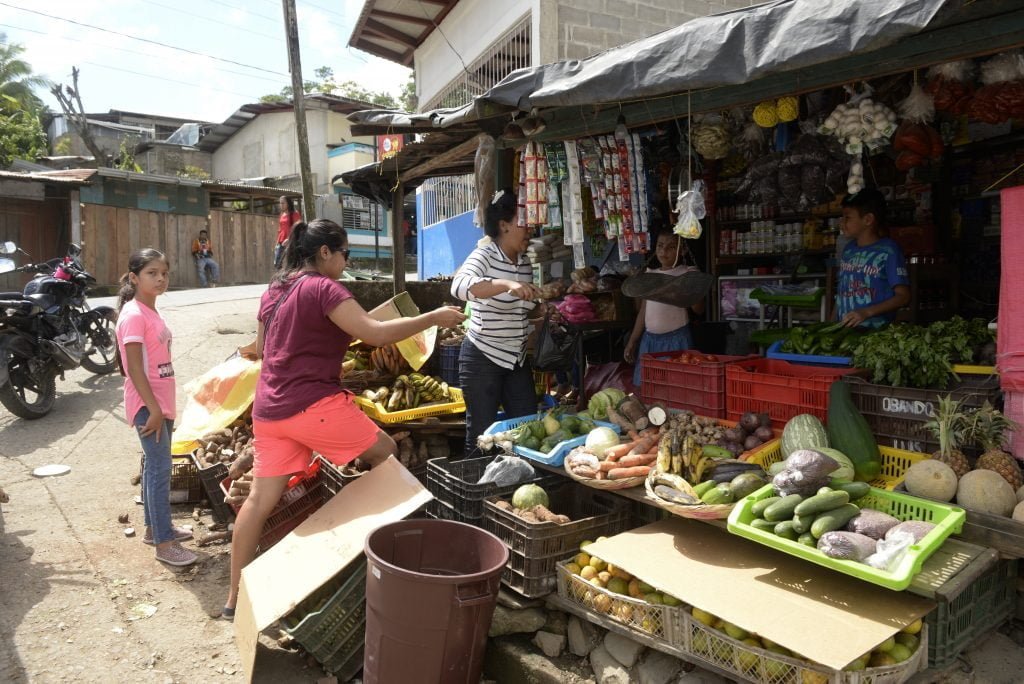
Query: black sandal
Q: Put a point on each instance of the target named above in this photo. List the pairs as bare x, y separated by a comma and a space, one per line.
227, 614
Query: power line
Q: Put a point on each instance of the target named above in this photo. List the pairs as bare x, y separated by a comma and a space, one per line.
143, 40
165, 79
130, 51
219, 22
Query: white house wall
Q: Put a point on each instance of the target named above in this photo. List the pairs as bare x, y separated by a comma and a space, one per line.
471, 27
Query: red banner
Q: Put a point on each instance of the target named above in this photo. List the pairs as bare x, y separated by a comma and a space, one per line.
388, 146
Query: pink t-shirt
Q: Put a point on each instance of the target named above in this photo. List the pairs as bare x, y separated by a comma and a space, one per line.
302, 349
139, 323
662, 318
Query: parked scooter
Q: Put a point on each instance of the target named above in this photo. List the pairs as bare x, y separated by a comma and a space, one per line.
48, 329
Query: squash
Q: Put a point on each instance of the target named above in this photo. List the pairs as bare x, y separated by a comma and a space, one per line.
802, 432
849, 432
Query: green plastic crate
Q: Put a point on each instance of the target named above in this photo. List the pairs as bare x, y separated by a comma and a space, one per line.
984, 604
947, 519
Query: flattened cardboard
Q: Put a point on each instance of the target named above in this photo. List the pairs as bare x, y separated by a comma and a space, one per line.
826, 616
319, 548
418, 348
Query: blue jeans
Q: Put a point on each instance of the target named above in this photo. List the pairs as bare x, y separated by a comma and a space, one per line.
156, 479
278, 255
486, 385
202, 263
679, 339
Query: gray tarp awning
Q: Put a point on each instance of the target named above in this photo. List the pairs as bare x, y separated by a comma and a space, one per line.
719, 50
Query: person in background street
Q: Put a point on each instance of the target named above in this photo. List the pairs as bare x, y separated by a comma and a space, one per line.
663, 327
497, 278
873, 282
144, 357
202, 252
289, 217
306, 321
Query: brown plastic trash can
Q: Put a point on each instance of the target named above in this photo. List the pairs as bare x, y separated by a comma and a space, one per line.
431, 586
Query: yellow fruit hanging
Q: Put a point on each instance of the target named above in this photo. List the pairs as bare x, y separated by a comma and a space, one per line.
787, 108
765, 115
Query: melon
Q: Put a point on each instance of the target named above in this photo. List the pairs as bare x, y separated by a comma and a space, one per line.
931, 479
1018, 512
802, 432
530, 495
986, 491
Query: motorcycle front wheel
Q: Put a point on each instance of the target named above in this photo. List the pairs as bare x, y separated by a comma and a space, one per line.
100, 355
29, 395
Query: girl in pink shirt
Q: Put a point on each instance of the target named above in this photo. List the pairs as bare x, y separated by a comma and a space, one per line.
144, 343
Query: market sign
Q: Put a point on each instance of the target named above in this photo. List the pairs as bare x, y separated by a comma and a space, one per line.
388, 146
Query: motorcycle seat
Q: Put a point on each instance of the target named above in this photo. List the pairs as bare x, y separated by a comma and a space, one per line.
23, 305
10, 295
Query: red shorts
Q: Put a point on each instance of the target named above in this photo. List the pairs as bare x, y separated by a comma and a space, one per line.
334, 427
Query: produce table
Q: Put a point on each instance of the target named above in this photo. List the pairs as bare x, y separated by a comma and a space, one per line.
956, 564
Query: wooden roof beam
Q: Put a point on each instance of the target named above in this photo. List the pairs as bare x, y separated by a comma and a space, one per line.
443, 160
389, 32
408, 18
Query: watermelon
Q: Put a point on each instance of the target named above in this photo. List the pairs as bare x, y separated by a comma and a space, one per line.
803, 432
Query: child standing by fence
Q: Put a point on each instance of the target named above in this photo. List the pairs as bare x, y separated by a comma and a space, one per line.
144, 345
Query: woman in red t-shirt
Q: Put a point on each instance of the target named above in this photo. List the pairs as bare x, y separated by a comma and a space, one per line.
289, 217
306, 321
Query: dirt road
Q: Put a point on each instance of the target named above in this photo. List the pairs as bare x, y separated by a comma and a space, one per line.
72, 586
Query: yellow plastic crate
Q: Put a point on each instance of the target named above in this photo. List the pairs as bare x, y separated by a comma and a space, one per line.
377, 412
895, 462
964, 369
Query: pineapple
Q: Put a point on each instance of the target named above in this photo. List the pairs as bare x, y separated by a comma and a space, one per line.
988, 428
949, 426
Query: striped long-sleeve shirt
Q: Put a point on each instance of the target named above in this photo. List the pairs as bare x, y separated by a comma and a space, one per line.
499, 325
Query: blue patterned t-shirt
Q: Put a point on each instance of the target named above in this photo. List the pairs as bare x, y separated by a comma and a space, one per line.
868, 275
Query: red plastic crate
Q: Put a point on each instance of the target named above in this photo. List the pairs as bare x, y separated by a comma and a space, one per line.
778, 388
698, 388
303, 496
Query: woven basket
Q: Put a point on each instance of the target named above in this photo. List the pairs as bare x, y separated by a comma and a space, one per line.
358, 381
696, 511
608, 485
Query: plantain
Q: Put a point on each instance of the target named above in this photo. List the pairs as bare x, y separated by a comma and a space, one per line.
393, 402
664, 463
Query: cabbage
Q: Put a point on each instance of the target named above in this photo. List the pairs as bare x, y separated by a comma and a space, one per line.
528, 496
600, 439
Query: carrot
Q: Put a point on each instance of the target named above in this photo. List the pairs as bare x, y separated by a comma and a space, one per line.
623, 473
616, 452
601, 475
605, 466
636, 460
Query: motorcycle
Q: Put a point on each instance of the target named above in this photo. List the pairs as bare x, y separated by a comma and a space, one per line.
48, 329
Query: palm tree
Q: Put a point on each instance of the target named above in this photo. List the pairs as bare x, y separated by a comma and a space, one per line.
17, 80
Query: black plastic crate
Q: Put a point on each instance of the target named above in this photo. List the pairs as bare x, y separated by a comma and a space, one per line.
210, 478
454, 483
450, 364
185, 484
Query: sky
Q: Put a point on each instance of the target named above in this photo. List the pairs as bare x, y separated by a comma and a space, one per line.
234, 51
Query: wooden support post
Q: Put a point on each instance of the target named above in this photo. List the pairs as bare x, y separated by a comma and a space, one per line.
291, 25
398, 237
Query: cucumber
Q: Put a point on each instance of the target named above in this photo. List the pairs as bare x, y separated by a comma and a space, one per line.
763, 525
835, 519
785, 530
782, 509
807, 539
802, 523
759, 507
704, 487
819, 503
855, 489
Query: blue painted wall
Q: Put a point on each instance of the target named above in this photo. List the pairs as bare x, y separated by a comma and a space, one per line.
445, 245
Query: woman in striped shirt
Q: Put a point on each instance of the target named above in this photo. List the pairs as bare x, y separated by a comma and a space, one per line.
496, 278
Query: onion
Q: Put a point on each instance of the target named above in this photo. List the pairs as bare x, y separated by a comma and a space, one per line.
752, 442
764, 433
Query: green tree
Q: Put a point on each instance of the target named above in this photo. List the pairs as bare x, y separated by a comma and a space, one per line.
326, 84
21, 136
17, 82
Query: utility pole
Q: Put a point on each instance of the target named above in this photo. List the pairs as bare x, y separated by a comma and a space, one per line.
291, 25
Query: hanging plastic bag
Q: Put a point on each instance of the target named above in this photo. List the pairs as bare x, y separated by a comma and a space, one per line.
690, 208
505, 471
556, 346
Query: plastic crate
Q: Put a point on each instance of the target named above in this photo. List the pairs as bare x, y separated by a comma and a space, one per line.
329, 623
753, 664
450, 364
895, 462
556, 456
698, 388
535, 548
897, 415
780, 389
654, 621
376, 411
333, 479
303, 497
454, 483
984, 604
210, 478
185, 484
947, 520
775, 352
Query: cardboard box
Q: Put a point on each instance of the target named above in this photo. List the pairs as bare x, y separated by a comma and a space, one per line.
320, 548
418, 348
823, 615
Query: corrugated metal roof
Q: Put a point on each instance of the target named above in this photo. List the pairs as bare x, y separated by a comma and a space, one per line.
247, 190
53, 177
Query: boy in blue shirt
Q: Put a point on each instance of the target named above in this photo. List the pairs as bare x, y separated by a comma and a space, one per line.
873, 281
